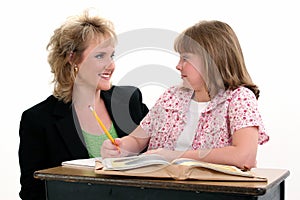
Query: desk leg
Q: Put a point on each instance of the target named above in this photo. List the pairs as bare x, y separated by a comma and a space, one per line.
282, 190
274, 193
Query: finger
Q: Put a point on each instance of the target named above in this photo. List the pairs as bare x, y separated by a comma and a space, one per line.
118, 141
105, 153
115, 153
108, 145
151, 151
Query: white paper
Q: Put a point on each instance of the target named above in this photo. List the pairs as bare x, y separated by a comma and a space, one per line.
89, 162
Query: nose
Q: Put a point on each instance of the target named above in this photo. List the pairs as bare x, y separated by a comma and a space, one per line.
179, 66
111, 65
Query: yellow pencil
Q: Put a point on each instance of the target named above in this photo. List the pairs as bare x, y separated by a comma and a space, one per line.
103, 128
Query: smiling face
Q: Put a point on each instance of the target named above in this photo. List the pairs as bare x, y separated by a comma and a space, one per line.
97, 65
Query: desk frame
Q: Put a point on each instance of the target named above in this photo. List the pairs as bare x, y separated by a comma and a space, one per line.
77, 184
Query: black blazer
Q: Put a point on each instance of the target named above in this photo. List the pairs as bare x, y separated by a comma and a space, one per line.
48, 135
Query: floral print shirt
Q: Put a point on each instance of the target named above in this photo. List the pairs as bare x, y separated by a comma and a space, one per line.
226, 113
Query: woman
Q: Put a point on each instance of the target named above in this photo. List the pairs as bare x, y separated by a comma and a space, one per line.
62, 127
213, 116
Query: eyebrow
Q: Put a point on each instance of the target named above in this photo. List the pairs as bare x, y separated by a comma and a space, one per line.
100, 52
103, 52
187, 54
184, 55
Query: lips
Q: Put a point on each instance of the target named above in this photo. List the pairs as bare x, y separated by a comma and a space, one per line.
105, 75
183, 76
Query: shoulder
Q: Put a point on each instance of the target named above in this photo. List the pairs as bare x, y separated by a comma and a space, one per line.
44, 107
241, 98
177, 92
122, 96
51, 100
120, 91
126, 89
175, 96
242, 93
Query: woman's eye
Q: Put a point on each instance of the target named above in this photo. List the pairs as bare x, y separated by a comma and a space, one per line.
99, 56
112, 55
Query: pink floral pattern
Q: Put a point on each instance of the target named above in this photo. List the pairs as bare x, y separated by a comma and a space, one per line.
226, 113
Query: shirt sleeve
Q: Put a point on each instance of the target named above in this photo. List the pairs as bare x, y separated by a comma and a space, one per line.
153, 120
243, 112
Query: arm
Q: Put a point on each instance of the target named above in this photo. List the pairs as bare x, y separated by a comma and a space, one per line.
138, 140
125, 107
246, 124
129, 145
32, 155
242, 152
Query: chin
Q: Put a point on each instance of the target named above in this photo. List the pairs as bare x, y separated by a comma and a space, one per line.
185, 84
105, 87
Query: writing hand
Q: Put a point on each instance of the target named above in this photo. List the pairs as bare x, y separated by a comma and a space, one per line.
110, 150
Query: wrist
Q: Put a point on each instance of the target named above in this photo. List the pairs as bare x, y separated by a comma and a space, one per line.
202, 153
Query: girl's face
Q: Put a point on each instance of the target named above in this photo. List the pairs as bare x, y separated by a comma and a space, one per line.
190, 66
97, 65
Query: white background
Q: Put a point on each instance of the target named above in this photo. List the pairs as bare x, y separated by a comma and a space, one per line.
268, 32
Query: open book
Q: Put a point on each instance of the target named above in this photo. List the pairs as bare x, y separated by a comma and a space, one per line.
143, 160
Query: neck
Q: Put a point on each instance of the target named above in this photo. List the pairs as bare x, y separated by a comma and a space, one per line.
83, 96
201, 96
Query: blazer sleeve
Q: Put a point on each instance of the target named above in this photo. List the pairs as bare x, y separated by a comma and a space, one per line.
32, 153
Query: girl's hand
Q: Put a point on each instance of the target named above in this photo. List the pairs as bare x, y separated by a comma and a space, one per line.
169, 155
109, 150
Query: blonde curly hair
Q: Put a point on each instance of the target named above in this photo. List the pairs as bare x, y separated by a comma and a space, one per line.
70, 40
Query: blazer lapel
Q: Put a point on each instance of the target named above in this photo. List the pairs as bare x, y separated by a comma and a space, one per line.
70, 133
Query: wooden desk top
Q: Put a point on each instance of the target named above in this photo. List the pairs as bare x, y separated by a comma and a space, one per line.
87, 175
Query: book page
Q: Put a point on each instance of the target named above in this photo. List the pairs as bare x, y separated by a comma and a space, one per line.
227, 169
89, 162
133, 162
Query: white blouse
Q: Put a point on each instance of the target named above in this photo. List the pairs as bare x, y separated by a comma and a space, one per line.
186, 138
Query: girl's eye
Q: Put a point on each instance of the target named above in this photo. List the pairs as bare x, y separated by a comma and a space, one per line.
184, 58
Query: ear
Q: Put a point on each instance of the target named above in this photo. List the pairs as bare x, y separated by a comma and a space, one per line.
71, 58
